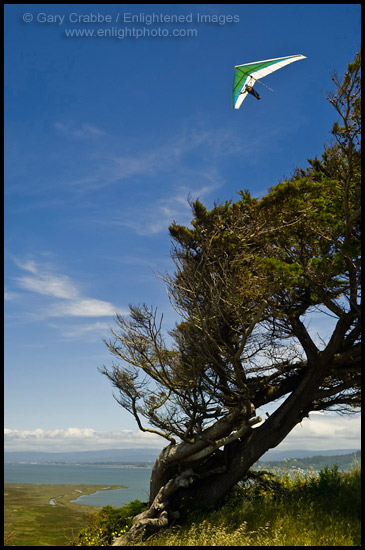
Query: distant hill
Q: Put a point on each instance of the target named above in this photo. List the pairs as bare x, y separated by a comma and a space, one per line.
127, 456
345, 462
134, 456
277, 454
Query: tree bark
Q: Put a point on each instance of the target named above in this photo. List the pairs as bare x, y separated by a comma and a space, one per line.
207, 469
206, 476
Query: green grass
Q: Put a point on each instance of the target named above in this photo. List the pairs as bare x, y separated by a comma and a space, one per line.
31, 521
268, 510
278, 511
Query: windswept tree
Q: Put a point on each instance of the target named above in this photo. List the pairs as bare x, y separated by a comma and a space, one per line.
248, 278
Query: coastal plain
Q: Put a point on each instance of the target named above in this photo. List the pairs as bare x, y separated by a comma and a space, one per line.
44, 515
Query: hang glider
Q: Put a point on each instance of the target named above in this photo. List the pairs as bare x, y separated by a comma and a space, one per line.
247, 74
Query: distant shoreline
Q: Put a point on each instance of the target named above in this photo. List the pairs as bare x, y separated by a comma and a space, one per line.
144, 458
52, 524
99, 464
133, 482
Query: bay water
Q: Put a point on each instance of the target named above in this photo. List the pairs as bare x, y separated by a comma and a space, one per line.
135, 479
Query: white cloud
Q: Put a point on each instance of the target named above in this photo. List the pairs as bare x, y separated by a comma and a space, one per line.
78, 439
43, 280
83, 308
49, 285
322, 431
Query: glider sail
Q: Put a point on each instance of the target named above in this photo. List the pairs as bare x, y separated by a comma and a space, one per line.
249, 73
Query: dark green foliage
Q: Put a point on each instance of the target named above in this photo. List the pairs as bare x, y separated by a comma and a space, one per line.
113, 519
108, 523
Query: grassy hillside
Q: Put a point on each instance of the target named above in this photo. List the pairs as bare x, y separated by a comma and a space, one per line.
281, 509
267, 510
30, 519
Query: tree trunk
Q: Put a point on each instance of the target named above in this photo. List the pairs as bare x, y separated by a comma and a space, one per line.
206, 470
206, 476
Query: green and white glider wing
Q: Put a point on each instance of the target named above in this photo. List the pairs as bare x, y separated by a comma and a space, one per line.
248, 73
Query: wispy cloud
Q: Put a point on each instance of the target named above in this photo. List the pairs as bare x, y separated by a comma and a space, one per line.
46, 283
85, 331
185, 157
191, 151
176, 170
84, 307
41, 279
83, 130
179, 166
147, 220
9, 296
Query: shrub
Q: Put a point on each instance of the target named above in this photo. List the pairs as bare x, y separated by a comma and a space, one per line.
108, 523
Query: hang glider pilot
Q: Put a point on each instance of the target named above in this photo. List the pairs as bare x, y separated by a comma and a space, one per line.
253, 92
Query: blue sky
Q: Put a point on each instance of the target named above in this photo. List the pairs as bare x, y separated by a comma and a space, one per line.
105, 139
